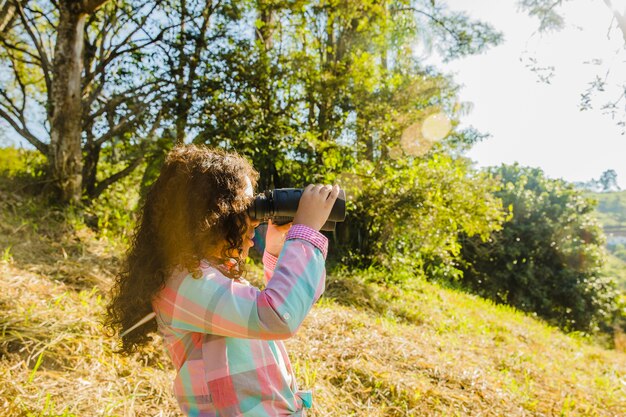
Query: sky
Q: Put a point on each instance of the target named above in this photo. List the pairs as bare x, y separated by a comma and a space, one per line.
532, 122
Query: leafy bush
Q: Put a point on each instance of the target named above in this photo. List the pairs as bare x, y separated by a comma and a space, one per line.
111, 215
22, 163
547, 258
407, 214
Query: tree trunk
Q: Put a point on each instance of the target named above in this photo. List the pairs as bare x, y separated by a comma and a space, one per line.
65, 156
90, 169
7, 15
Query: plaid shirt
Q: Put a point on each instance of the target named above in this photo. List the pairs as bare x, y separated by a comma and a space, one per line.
224, 336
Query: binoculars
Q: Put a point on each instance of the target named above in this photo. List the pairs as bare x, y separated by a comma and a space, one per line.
280, 205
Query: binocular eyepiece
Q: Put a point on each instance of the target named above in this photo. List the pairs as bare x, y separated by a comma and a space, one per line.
280, 205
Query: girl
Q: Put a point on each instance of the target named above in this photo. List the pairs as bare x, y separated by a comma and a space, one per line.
185, 267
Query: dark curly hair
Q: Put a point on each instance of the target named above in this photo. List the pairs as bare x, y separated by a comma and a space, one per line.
196, 207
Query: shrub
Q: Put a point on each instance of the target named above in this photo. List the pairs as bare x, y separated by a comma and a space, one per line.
547, 258
407, 214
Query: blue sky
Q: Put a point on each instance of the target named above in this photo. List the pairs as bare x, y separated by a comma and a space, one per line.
539, 124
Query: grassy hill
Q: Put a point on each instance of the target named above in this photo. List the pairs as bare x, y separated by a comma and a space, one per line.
366, 350
611, 208
611, 213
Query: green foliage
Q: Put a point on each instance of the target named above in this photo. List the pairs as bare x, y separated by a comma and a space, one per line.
113, 213
546, 11
547, 258
301, 88
407, 214
325, 85
22, 163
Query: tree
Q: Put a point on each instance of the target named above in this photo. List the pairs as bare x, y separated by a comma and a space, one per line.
608, 181
311, 90
301, 87
408, 215
549, 18
83, 85
548, 256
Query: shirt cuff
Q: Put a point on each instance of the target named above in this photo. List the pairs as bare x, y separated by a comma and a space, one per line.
269, 261
300, 231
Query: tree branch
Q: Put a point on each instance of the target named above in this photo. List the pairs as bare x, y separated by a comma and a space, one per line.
7, 16
102, 185
43, 57
621, 19
116, 100
116, 52
431, 17
25, 133
41, 14
105, 183
13, 107
8, 45
123, 126
90, 6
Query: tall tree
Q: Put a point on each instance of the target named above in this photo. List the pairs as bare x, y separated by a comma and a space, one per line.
83, 85
63, 74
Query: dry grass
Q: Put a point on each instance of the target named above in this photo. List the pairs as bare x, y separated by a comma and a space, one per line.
366, 350
469, 358
55, 359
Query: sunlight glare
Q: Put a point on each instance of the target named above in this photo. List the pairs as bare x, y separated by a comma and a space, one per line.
412, 141
436, 127
351, 183
419, 138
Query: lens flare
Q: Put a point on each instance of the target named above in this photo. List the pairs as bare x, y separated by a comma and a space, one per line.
350, 183
413, 142
419, 138
395, 152
436, 127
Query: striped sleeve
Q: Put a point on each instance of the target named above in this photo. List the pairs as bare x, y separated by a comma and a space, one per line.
269, 264
218, 305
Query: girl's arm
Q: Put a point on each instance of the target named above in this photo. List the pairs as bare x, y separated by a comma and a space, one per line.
269, 264
218, 305
275, 237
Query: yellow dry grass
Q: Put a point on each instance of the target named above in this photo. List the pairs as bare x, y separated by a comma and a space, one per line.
366, 350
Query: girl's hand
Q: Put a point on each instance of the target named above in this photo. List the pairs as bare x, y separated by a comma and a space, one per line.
275, 237
315, 205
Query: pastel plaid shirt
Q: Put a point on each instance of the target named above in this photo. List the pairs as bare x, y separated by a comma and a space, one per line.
224, 336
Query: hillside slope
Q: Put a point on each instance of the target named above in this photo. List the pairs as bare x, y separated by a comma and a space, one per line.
366, 350
611, 213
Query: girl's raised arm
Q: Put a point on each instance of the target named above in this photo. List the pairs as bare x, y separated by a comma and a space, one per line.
218, 305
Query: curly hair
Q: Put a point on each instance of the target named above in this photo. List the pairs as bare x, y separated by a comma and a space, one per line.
196, 207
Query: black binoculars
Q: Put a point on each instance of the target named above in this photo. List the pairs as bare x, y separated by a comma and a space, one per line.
280, 205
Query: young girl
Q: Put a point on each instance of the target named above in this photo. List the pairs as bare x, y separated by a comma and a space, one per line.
185, 265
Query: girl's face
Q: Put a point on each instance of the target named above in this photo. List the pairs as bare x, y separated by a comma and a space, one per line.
247, 239
252, 224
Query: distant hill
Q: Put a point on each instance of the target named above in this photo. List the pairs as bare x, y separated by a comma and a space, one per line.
612, 209
612, 215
